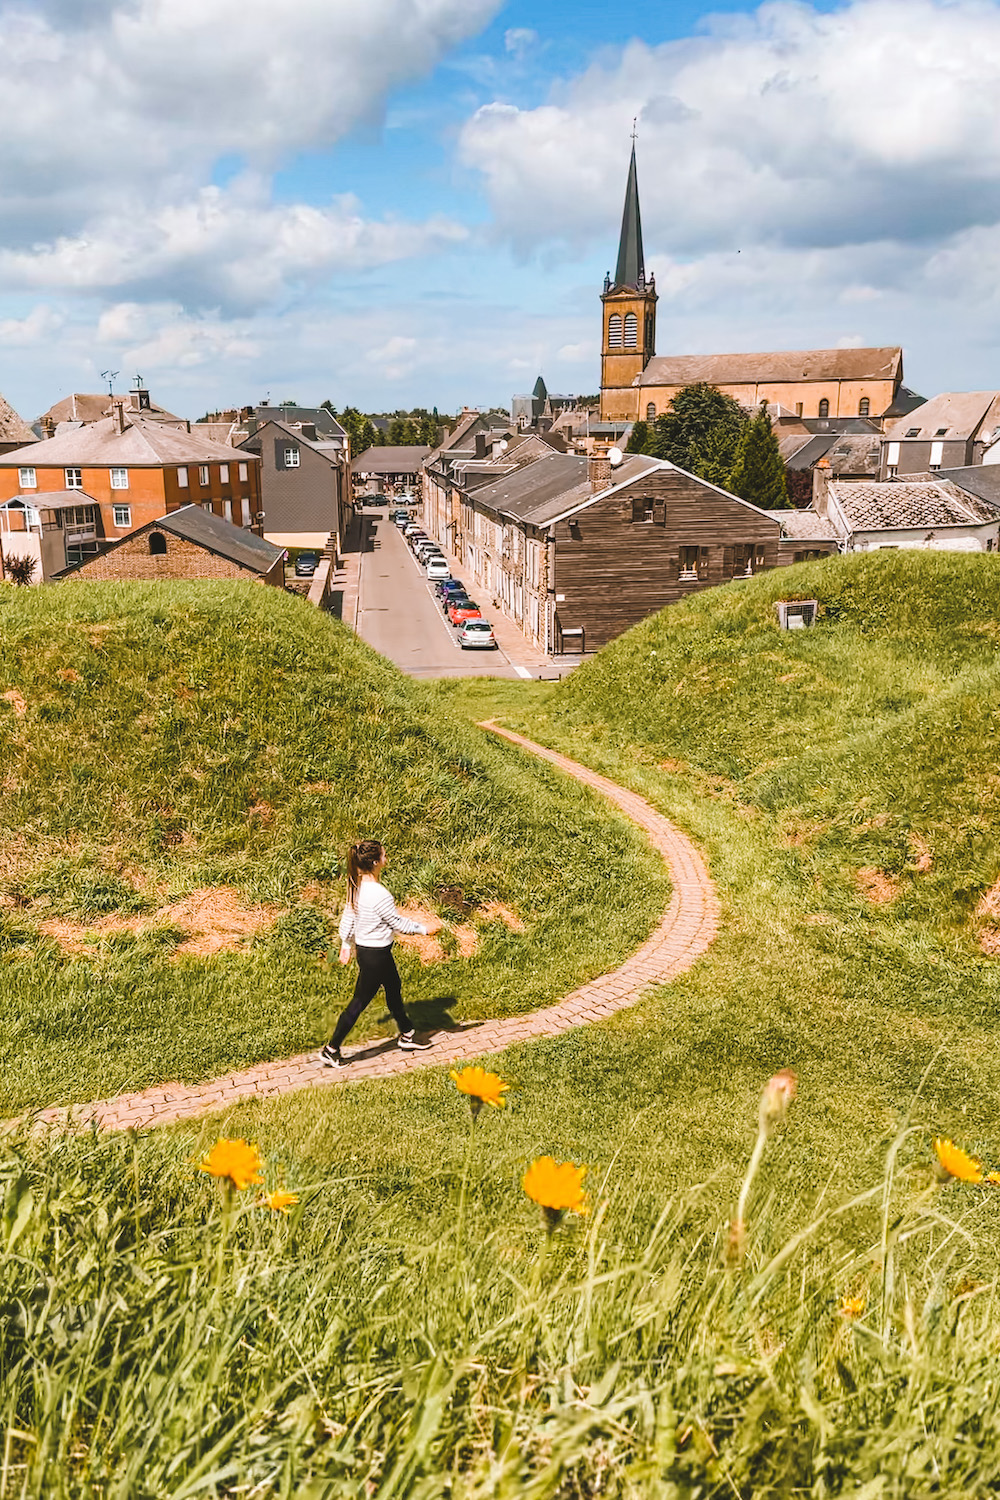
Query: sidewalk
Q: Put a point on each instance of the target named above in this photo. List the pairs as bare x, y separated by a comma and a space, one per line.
345, 582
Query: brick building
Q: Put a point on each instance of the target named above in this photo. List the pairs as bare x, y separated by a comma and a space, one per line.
187, 543
125, 470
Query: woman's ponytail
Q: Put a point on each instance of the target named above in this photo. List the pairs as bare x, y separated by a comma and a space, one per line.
362, 859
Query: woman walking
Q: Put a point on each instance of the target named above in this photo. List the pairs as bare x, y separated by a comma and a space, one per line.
371, 918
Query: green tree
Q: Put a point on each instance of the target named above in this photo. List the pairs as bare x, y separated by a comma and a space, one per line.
758, 473
353, 424
640, 438
697, 428
371, 436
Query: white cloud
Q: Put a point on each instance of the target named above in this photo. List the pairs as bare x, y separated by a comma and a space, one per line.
520, 40
31, 331
876, 120
231, 246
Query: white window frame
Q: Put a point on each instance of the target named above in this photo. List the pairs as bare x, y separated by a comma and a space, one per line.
122, 510
292, 460
244, 473
27, 479
182, 479
246, 511
227, 509
224, 473
119, 479
937, 455
75, 483
204, 475
892, 455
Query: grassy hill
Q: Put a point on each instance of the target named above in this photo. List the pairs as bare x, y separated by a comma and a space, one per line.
412, 1330
181, 771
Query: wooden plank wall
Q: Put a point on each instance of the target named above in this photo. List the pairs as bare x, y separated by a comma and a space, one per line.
614, 571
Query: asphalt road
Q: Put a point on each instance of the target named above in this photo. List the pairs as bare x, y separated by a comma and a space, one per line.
399, 613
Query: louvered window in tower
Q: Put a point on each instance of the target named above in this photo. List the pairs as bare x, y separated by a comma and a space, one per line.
824, 407
631, 331
615, 331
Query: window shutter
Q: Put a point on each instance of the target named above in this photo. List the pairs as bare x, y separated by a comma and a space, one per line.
638, 510
728, 561
660, 512
279, 453
702, 562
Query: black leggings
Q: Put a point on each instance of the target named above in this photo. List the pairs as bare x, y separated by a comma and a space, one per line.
376, 971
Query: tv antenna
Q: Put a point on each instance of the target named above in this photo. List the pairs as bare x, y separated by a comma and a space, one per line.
110, 376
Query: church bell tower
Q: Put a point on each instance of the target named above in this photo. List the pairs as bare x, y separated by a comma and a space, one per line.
629, 315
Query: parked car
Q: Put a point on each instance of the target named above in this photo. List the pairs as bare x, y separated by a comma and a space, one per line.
399, 518
415, 537
454, 596
424, 547
437, 567
476, 634
445, 586
459, 610
306, 564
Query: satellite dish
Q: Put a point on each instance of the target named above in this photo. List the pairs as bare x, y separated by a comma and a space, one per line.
503, 446
615, 456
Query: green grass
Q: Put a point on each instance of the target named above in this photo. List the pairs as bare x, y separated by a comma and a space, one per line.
188, 737
633, 1361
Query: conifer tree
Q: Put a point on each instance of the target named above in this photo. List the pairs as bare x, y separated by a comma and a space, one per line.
640, 438
758, 473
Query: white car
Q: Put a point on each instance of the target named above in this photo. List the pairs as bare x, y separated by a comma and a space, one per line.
476, 634
437, 568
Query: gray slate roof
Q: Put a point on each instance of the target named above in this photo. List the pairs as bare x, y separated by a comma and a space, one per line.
961, 413
981, 480
630, 271
402, 460
208, 530
804, 525
782, 366
553, 485
901, 505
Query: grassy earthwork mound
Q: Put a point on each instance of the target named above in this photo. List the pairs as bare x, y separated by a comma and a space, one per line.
182, 769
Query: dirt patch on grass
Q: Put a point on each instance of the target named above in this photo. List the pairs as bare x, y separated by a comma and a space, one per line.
876, 886
988, 913
16, 701
215, 919
496, 911
68, 674
920, 853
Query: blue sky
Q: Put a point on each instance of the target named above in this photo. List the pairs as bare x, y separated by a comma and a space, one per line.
415, 202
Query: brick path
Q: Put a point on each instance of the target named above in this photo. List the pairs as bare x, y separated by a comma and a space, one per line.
686, 931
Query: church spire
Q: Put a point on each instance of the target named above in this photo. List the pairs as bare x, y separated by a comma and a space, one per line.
630, 271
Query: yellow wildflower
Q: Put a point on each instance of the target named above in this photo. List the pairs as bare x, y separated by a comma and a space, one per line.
481, 1087
279, 1201
853, 1307
957, 1163
236, 1162
556, 1187
993, 1177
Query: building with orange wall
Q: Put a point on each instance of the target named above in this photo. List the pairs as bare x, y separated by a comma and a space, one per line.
127, 470
638, 385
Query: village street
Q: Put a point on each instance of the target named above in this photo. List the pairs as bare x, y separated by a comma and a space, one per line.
399, 614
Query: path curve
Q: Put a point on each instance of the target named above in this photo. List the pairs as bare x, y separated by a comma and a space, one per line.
687, 929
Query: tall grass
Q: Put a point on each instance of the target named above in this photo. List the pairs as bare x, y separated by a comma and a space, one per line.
153, 1345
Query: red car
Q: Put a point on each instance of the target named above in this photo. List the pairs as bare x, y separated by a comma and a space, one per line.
465, 611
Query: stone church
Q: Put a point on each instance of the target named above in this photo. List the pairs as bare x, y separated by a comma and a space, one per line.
636, 383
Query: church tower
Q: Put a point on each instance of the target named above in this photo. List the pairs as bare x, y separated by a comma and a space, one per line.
629, 308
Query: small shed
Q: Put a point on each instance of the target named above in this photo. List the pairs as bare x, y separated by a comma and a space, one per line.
191, 542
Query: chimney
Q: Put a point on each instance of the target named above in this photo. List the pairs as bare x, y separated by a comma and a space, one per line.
49, 426
480, 445
599, 472
118, 415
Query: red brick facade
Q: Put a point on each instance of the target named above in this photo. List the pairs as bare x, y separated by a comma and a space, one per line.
132, 562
